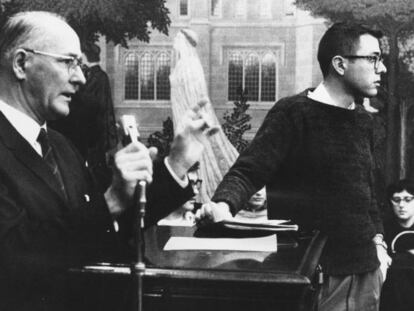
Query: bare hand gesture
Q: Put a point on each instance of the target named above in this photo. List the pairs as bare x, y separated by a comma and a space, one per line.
190, 138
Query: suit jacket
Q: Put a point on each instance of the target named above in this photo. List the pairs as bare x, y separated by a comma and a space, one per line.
42, 234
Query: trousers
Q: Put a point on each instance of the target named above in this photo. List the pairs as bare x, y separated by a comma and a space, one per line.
355, 292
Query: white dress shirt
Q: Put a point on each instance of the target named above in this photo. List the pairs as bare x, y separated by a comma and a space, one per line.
27, 127
321, 95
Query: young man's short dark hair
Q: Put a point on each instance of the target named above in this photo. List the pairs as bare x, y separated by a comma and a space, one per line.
341, 39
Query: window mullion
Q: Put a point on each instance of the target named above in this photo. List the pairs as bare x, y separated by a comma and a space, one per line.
260, 81
244, 72
139, 76
155, 74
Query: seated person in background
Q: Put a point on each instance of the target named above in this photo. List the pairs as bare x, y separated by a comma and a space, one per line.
257, 201
401, 196
398, 289
184, 215
52, 215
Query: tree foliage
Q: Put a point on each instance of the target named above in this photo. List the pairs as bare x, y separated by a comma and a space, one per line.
162, 139
395, 18
237, 123
388, 15
117, 20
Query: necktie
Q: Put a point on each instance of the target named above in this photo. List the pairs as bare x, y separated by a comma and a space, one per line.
50, 159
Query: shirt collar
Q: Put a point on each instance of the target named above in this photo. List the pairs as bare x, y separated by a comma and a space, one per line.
321, 94
25, 125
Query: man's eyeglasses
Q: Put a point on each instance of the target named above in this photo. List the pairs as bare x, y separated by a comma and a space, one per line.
398, 200
71, 61
374, 59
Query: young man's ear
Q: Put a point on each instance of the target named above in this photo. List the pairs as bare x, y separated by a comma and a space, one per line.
19, 59
339, 64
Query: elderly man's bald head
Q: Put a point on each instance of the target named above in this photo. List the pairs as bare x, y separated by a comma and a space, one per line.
31, 29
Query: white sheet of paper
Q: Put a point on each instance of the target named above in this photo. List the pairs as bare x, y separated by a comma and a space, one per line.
260, 221
262, 244
176, 222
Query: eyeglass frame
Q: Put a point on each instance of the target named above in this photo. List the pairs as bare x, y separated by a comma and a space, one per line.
374, 59
196, 183
70, 61
399, 199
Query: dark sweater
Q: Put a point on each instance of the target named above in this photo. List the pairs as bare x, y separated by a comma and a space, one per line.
392, 228
316, 162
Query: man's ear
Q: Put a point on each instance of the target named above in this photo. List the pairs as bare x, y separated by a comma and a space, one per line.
19, 64
339, 64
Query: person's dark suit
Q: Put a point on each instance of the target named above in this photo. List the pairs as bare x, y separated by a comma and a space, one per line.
42, 234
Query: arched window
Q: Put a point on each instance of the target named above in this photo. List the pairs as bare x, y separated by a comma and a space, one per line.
146, 78
131, 76
163, 76
268, 85
254, 71
183, 9
251, 81
216, 7
235, 75
147, 75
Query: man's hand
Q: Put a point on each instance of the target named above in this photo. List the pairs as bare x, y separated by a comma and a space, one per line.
190, 138
133, 163
213, 212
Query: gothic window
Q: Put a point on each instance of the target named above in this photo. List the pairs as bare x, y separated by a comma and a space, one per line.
268, 75
235, 75
251, 74
215, 8
163, 76
254, 71
131, 76
183, 9
147, 75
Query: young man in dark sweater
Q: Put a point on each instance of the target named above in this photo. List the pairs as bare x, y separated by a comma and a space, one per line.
314, 154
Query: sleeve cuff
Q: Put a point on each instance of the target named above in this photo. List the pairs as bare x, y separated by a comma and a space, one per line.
182, 182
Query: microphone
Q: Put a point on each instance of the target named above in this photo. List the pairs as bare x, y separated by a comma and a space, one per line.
129, 124
130, 127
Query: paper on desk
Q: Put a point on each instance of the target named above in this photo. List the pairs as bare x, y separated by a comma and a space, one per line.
262, 244
264, 221
176, 222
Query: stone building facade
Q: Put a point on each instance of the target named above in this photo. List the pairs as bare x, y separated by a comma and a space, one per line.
266, 46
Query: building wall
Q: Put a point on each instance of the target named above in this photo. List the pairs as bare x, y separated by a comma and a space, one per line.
292, 34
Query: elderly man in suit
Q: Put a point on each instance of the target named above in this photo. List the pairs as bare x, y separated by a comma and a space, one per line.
51, 214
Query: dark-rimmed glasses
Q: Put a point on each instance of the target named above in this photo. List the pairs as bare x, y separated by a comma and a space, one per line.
398, 200
374, 59
71, 61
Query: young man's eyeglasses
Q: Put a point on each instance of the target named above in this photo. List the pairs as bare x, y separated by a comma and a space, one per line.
71, 61
374, 59
398, 200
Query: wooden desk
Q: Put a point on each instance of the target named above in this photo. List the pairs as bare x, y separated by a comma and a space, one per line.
229, 280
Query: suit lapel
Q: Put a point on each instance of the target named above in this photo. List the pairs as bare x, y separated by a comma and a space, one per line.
69, 167
28, 157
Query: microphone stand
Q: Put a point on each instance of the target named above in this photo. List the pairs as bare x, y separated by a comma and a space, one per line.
138, 267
